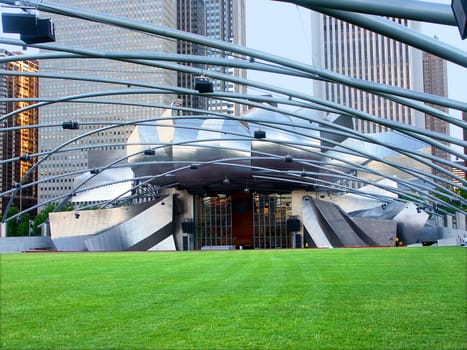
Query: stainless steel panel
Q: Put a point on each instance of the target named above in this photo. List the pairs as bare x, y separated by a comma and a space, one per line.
152, 226
311, 223
216, 140
152, 137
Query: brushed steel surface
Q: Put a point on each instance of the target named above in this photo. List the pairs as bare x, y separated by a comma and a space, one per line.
311, 223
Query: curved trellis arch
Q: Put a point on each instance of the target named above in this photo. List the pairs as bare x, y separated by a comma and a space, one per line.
334, 128
134, 122
278, 65
351, 166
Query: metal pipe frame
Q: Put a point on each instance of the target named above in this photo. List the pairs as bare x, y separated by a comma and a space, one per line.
284, 67
423, 11
351, 166
328, 185
233, 63
242, 119
309, 71
252, 53
418, 133
392, 30
333, 185
422, 134
333, 129
349, 135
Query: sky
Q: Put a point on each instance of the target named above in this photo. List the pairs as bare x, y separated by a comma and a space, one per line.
285, 30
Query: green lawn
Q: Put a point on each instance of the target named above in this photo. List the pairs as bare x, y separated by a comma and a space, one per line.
391, 298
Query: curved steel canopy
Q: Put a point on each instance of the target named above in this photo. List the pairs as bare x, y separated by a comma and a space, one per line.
342, 171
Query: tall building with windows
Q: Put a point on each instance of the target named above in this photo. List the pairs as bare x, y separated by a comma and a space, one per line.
464, 133
60, 169
3, 94
457, 171
435, 81
191, 17
359, 53
21, 144
225, 20
221, 19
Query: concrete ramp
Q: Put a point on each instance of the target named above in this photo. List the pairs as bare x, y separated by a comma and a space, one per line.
140, 232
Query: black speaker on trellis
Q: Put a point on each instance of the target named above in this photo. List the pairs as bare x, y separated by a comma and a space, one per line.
32, 30
293, 224
459, 9
188, 226
203, 85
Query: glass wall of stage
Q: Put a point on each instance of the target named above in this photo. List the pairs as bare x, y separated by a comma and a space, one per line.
242, 220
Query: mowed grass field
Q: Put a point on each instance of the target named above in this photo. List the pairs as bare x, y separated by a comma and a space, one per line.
385, 298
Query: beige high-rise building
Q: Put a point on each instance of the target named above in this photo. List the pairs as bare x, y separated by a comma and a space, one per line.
435, 81
359, 53
90, 35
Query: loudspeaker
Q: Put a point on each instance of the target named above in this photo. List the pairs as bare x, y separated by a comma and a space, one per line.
45, 32
203, 85
32, 30
186, 243
293, 225
19, 23
259, 134
188, 227
71, 125
459, 8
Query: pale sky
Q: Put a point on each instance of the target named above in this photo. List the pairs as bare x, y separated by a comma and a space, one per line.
285, 30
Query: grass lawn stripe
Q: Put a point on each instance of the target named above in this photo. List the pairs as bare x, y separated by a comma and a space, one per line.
395, 298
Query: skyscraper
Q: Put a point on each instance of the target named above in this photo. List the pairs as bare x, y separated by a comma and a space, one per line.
225, 20
357, 52
435, 81
83, 34
221, 19
21, 143
3, 94
464, 133
191, 17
